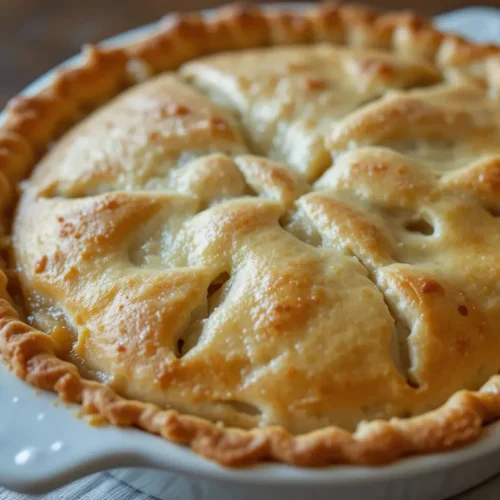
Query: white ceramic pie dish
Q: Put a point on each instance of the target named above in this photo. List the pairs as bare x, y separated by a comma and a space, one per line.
43, 445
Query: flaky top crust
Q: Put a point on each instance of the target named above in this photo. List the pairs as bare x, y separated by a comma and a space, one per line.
354, 235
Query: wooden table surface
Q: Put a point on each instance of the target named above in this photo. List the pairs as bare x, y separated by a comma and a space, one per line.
35, 35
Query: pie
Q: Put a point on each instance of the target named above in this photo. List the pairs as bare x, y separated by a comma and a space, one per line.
267, 235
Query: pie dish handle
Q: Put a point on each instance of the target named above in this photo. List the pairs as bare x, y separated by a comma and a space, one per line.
43, 445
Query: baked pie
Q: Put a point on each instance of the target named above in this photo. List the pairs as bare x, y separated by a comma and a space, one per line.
267, 235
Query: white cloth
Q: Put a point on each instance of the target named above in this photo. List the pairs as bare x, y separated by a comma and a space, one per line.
94, 487
478, 24
106, 487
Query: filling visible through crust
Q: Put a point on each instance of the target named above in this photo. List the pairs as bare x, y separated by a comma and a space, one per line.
300, 236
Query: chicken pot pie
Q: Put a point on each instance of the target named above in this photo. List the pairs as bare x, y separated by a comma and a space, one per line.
265, 235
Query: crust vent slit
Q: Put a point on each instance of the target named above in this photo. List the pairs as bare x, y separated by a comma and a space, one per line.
216, 292
400, 348
301, 228
493, 211
421, 226
219, 98
242, 407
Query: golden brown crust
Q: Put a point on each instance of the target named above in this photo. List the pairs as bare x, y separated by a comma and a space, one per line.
32, 123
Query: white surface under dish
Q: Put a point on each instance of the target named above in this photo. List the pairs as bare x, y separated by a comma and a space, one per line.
43, 445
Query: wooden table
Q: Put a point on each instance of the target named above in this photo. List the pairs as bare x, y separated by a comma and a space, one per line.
35, 35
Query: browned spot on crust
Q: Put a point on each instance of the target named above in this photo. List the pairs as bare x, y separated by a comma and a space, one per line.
463, 310
376, 67
373, 168
179, 110
432, 286
173, 109
41, 265
109, 204
66, 229
314, 84
71, 274
218, 123
69, 229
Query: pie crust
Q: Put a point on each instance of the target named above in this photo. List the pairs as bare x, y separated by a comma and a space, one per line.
294, 237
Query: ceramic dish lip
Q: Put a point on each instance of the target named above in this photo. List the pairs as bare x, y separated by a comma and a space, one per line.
132, 447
